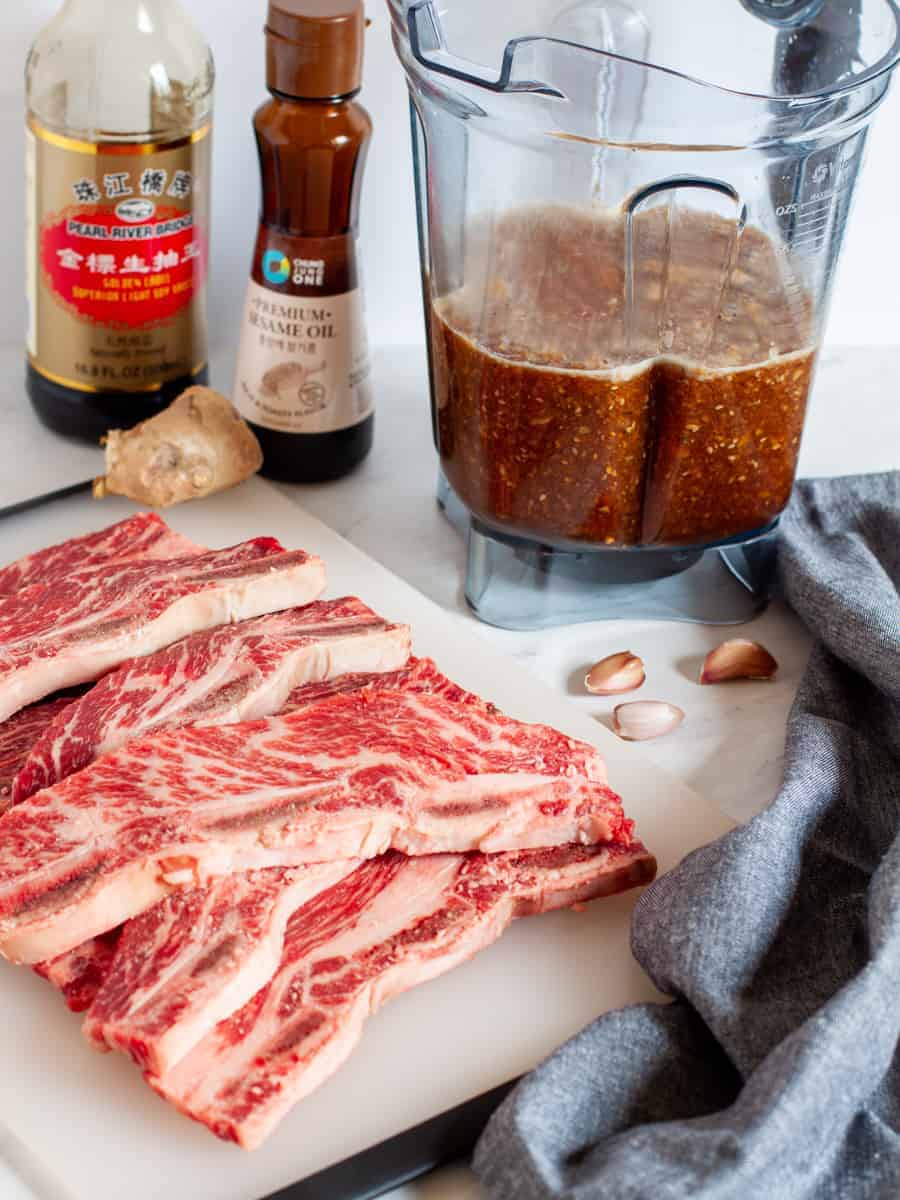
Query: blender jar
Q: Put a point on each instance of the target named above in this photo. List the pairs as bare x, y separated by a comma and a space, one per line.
630, 217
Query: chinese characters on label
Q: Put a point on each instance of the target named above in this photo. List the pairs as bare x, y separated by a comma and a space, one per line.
85, 191
131, 264
153, 181
118, 184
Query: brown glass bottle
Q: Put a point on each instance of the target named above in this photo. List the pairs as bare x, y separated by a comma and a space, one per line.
302, 378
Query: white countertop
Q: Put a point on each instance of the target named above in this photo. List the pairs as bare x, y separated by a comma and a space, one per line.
730, 746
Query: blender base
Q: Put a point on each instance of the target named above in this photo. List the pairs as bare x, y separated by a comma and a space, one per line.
515, 583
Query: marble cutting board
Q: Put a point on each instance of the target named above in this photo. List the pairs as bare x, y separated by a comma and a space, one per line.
77, 1125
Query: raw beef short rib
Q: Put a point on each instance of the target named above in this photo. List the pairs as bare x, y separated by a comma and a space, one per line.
394, 923
18, 736
196, 957
144, 537
218, 677
419, 675
84, 623
351, 776
79, 974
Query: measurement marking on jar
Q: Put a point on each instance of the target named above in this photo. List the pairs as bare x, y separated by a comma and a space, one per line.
817, 204
810, 226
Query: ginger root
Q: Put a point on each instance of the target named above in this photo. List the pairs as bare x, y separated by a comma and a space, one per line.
197, 446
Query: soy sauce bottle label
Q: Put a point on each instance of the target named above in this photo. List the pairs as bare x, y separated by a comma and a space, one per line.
303, 364
116, 259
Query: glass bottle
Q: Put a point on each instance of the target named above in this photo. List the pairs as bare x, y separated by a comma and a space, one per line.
303, 369
119, 99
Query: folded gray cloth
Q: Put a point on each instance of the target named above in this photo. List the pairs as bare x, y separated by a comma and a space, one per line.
774, 1073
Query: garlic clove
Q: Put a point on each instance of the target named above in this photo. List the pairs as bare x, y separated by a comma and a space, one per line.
617, 673
641, 720
738, 659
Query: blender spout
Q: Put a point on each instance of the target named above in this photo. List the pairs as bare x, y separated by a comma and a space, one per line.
612, 38
429, 48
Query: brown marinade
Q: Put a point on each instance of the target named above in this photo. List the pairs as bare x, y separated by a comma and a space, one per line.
564, 411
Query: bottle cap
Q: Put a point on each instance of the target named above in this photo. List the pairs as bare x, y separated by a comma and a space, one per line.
314, 48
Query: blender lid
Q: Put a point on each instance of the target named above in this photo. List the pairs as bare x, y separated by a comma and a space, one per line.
782, 52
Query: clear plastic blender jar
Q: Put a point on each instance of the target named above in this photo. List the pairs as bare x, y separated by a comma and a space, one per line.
630, 217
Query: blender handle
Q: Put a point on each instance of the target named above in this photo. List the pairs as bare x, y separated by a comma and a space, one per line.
673, 183
686, 181
426, 39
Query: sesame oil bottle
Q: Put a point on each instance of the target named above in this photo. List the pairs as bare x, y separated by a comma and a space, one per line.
302, 379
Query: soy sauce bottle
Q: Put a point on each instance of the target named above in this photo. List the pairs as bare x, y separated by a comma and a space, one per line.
303, 373
117, 171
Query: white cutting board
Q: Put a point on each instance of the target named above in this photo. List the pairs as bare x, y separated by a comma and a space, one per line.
83, 1126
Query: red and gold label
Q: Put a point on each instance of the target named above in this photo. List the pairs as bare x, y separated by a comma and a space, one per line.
116, 258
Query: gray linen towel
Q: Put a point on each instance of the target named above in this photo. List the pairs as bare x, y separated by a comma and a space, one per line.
774, 1073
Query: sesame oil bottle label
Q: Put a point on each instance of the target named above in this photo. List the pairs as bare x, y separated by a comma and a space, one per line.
303, 364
